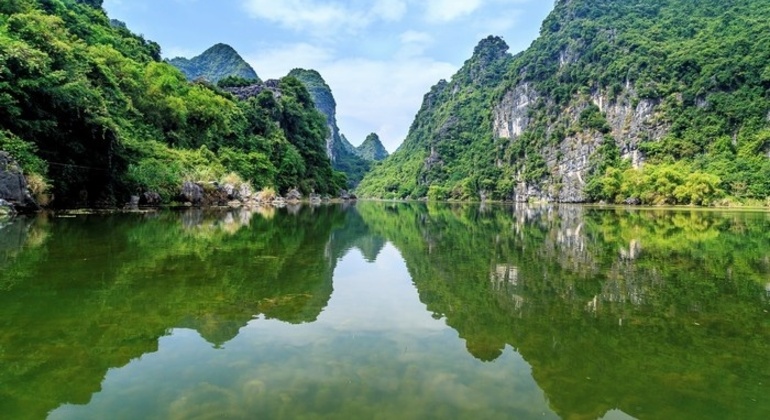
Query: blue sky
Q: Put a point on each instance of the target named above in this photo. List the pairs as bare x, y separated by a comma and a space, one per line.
379, 56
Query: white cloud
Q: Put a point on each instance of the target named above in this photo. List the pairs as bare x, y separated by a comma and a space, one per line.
297, 14
277, 62
389, 10
414, 43
325, 17
439, 11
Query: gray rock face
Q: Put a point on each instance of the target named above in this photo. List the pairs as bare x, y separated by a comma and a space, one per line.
13, 185
630, 119
511, 117
150, 199
192, 193
293, 195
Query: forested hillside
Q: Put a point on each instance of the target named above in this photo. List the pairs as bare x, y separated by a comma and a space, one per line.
638, 101
214, 64
372, 148
93, 115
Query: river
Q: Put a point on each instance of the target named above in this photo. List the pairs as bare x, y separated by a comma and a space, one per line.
387, 310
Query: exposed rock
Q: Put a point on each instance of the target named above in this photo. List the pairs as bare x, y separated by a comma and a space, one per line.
150, 198
6, 208
191, 193
568, 161
13, 185
133, 201
245, 192
512, 114
246, 92
293, 195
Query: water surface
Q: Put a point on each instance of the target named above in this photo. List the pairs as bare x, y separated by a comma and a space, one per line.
384, 310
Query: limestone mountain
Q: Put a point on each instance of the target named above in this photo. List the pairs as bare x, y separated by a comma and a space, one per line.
214, 64
372, 148
342, 154
633, 101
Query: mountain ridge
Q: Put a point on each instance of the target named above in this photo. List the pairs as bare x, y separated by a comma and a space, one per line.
214, 64
610, 93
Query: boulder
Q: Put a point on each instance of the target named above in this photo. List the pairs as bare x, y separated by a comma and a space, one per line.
244, 192
232, 192
293, 195
13, 185
6, 208
133, 202
191, 193
150, 198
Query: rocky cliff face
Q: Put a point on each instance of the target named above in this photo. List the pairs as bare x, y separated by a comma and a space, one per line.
342, 154
568, 162
597, 109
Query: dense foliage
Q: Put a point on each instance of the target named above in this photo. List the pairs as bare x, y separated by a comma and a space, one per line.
215, 64
701, 66
90, 107
449, 142
372, 148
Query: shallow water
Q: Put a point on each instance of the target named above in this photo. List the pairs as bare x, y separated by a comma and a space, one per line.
383, 310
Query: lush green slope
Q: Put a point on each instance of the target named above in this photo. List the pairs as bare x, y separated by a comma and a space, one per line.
630, 100
450, 138
90, 108
372, 148
215, 64
343, 156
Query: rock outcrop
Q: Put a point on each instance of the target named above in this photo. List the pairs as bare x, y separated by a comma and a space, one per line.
343, 155
13, 186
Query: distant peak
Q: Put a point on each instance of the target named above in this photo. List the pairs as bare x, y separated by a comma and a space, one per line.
491, 45
306, 74
221, 48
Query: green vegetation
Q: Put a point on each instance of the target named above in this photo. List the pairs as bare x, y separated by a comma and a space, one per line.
216, 63
372, 148
700, 66
89, 107
449, 143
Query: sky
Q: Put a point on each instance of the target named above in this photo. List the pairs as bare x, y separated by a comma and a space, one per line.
380, 57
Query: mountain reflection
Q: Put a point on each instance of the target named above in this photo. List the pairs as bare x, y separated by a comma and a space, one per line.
663, 314
659, 314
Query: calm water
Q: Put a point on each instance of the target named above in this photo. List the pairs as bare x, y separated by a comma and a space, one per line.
384, 310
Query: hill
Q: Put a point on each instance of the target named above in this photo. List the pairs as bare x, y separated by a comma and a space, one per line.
215, 64
93, 115
637, 101
372, 148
